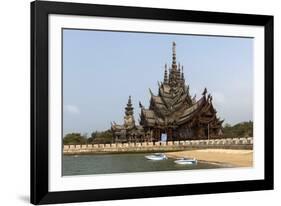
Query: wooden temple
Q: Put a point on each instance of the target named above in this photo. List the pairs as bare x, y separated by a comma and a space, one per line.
128, 131
173, 113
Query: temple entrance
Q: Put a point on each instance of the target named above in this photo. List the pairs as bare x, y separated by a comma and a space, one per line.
169, 134
164, 137
206, 131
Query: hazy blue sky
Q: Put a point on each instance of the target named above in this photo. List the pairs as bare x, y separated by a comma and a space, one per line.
101, 69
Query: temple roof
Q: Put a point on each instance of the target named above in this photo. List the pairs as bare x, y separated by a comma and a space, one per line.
202, 106
149, 114
151, 117
173, 105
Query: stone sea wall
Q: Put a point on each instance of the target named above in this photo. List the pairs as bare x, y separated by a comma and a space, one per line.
230, 143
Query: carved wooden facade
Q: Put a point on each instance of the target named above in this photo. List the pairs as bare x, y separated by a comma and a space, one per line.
173, 112
129, 131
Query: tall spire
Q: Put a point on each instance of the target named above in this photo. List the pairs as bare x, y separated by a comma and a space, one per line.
129, 109
179, 72
182, 74
129, 121
204, 92
174, 63
165, 75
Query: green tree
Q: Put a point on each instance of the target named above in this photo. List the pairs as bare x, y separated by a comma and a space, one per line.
74, 138
102, 137
92, 137
242, 129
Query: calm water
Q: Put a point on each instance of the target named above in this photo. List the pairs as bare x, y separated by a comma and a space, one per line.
122, 163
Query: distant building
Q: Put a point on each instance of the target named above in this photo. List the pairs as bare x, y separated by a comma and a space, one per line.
128, 131
172, 112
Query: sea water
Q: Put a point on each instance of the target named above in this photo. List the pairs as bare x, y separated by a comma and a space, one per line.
122, 163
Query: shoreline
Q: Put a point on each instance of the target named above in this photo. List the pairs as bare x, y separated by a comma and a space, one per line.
221, 156
153, 147
122, 152
228, 157
89, 149
170, 151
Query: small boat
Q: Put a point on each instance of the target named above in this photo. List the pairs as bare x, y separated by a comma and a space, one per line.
156, 156
186, 161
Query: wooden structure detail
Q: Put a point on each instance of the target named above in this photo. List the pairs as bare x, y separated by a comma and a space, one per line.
173, 112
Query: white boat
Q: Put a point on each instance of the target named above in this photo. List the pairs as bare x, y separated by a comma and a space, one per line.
156, 156
186, 161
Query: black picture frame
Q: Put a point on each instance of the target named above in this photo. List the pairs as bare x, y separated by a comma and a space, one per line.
39, 102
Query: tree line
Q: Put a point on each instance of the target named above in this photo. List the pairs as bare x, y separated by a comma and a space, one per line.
242, 129
97, 137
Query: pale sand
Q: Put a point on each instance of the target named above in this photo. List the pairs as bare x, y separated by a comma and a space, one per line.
236, 158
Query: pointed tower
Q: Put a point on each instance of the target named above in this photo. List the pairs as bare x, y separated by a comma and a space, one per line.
182, 75
174, 62
166, 80
129, 121
179, 73
173, 76
129, 110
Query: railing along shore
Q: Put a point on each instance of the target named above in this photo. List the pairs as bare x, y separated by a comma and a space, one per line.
228, 143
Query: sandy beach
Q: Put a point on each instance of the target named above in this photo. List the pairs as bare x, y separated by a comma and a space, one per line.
235, 158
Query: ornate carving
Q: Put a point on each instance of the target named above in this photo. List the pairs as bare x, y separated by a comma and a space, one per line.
173, 111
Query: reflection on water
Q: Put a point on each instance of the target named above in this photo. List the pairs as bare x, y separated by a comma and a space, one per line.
122, 163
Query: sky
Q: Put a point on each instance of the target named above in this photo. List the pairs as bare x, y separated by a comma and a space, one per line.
102, 68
